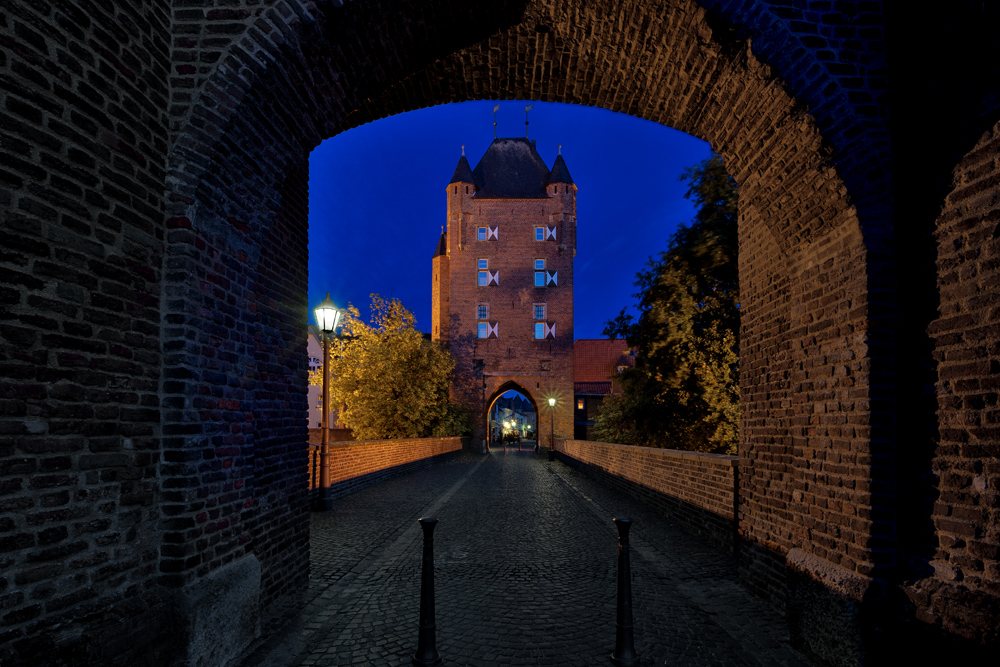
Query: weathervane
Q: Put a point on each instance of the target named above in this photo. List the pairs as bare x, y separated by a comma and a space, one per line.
495, 121
526, 110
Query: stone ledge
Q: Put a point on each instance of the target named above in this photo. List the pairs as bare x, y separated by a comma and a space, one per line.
837, 579
219, 614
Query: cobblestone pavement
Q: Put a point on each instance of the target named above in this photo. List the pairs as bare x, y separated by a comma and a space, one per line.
525, 570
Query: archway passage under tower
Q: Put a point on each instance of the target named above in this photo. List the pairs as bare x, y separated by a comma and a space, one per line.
512, 420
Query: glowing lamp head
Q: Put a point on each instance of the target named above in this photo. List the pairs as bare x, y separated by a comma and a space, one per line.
552, 402
327, 315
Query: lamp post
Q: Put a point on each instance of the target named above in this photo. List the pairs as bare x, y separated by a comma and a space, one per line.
552, 428
327, 317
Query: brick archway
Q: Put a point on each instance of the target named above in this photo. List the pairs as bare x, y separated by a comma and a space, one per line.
154, 202
810, 230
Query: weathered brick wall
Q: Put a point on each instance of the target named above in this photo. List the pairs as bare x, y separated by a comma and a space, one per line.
358, 464
83, 113
697, 490
280, 529
962, 591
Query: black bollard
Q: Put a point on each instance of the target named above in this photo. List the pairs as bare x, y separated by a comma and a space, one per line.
427, 654
624, 655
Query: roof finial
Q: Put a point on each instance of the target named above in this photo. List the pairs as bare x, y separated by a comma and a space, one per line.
442, 229
463, 149
560, 149
526, 110
495, 121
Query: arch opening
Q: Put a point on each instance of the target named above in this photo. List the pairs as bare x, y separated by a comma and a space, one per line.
808, 250
511, 418
809, 215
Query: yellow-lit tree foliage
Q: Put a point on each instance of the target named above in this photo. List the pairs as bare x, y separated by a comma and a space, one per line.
392, 382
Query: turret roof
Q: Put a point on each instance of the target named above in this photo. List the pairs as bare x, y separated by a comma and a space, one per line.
442, 246
560, 172
463, 172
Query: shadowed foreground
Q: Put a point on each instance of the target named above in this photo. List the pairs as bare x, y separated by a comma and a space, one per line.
525, 564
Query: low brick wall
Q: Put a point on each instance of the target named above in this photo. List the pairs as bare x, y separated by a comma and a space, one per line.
698, 491
361, 463
336, 435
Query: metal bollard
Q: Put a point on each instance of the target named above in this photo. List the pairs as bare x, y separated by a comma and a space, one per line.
624, 655
427, 654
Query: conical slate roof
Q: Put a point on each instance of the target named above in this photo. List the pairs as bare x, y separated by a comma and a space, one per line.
463, 172
560, 172
511, 167
442, 244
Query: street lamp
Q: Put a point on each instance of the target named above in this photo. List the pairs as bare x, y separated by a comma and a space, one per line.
327, 317
552, 427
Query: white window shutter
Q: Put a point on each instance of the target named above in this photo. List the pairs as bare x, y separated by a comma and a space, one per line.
492, 233
550, 233
552, 278
494, 278
493, 330
550, 330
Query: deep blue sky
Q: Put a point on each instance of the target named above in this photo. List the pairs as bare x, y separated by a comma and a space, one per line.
377, 199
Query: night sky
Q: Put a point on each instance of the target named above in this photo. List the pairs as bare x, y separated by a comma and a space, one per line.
377, 199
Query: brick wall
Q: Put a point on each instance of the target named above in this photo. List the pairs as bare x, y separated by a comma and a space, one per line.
83, 116
696, 490
358, 464
961, 587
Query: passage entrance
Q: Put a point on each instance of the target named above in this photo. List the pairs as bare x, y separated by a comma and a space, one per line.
512, 421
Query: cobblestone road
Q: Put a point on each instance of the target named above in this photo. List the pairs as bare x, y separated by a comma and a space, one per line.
526, 557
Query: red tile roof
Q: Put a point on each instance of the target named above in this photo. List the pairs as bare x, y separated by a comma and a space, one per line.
597, 360
592, 388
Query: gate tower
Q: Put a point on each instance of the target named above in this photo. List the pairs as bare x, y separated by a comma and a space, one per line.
503, 282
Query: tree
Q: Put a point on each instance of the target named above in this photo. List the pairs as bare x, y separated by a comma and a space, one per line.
392, 382
683, 392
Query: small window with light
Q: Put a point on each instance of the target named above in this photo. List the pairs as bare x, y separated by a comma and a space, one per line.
579, 404
484, 274
539, 273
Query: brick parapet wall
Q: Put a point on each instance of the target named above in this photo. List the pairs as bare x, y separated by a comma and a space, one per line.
336, 435
361, 463
697, 490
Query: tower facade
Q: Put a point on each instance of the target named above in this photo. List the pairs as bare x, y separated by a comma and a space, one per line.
503, 282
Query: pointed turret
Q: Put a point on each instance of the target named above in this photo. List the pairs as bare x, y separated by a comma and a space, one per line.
442, 245
463, 172
560, 172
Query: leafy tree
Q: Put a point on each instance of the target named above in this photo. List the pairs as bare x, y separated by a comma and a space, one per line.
683, 392
392, 382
